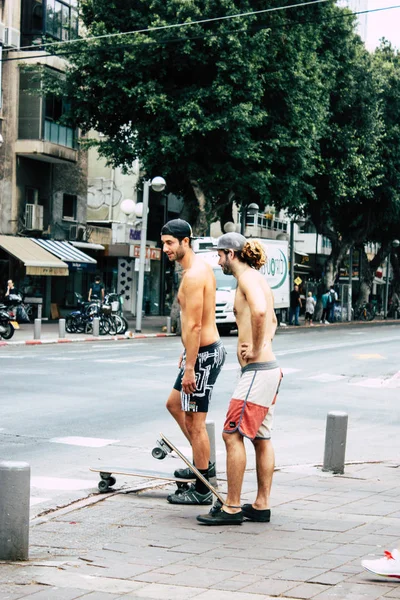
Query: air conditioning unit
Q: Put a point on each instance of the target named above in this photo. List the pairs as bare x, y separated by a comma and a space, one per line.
34, 217
77, 233
2, 33
12, 37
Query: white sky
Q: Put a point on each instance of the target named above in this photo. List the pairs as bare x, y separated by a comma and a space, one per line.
385, 23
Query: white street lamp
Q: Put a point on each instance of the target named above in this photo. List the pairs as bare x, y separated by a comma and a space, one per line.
157, 184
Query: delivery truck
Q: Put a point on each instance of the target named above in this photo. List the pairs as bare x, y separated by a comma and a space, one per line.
276, 272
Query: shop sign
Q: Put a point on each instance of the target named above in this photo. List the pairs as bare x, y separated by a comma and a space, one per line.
49, 271
151, 253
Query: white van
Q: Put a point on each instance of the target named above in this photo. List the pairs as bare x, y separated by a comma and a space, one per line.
276, 271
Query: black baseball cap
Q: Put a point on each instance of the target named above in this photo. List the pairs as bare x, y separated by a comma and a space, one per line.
177, 228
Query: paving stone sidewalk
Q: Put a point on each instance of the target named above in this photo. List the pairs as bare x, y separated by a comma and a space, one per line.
133, 544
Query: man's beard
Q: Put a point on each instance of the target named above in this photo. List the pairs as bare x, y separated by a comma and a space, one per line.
226, 269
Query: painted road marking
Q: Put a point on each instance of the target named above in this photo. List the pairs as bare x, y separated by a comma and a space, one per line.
369, 356
33, 501
84, 441
126, 360
326, 378
60, 483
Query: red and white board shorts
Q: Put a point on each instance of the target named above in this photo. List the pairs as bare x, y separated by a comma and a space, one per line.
251, 409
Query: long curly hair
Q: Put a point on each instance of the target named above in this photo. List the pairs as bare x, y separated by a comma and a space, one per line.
253, 254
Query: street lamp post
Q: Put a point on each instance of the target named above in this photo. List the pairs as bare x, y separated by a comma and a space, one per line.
394, 244
157, 184
247, 209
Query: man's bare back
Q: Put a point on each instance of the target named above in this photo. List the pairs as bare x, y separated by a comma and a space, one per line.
254, 292
198, 281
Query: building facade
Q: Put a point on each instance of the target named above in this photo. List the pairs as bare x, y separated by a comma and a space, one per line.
43, 171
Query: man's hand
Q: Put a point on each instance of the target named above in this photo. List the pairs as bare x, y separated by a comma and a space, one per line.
247, 353
189, 381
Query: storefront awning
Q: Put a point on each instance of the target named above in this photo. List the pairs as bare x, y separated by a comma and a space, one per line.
88, 245
36, 259
75, 258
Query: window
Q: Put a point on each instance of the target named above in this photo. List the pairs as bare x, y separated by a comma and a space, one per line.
69, 207
56, 18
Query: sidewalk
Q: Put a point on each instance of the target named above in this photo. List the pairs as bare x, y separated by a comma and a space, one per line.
151, 327
133, 544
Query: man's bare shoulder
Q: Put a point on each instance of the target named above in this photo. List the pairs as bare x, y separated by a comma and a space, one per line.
199, 269
251, 277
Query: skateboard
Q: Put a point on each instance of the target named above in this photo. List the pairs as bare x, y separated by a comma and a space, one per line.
107, 480
164, 447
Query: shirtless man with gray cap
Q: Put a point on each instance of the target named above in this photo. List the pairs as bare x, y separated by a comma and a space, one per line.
202, 359
250, 411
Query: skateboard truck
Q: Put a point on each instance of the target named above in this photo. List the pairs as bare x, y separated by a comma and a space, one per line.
161, 450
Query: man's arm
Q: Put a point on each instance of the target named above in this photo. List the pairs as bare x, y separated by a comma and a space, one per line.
257, 302
192, 290
102, 294
90, 294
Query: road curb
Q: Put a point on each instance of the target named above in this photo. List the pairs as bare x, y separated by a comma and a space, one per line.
114, 338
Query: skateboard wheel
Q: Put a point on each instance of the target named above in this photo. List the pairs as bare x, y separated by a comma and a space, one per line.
158, 453
111, 481
103, 486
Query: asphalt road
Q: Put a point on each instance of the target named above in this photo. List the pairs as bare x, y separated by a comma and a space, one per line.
67, 407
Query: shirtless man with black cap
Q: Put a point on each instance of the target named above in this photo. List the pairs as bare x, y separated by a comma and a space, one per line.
202, 359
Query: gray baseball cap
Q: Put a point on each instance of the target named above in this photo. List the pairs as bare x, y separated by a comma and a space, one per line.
231, 241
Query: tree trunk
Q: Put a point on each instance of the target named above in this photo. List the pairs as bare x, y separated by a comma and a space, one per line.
201, 225
332, 265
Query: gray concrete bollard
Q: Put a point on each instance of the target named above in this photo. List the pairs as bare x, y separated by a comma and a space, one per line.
37, 329
96, 326
61, 328
168, 324
210, 425
335, 441
14, 510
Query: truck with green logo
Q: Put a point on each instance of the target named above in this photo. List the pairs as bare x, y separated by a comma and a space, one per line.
276, 272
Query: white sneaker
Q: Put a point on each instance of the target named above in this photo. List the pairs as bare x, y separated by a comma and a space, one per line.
326, 322
387, 566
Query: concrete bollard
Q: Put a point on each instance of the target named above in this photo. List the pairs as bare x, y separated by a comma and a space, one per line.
37, 329
210, 426
61, 328
168, 324
96, 326
14, 510
335, 441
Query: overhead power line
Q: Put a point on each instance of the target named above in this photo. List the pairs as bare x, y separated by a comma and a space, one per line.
175, 40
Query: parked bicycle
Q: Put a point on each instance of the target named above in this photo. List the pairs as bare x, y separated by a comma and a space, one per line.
365, 312
81, 320
115, 302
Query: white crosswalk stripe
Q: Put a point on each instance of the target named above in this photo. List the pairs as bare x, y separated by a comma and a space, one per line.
87, 442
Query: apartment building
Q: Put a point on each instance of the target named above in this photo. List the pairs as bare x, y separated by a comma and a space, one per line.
43, 171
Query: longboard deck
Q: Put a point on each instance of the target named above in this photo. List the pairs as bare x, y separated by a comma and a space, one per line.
107, 480
165, 441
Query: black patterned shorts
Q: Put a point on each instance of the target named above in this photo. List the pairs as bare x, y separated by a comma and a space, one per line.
209, 362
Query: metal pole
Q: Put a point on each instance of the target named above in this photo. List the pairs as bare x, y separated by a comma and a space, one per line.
37, 328
385, 312
291, 254
350, 292
168, 324
335, 441
61, 328
96, 326
210, 426
39, 311
243, 219
142, 258
14, 510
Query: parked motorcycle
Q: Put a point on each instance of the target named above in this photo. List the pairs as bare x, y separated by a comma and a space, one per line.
8, 324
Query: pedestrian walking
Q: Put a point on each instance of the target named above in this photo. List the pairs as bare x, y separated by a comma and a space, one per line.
325, 308
295, 305
310, 309
251, 409
202, 358
333, 297
96, 291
